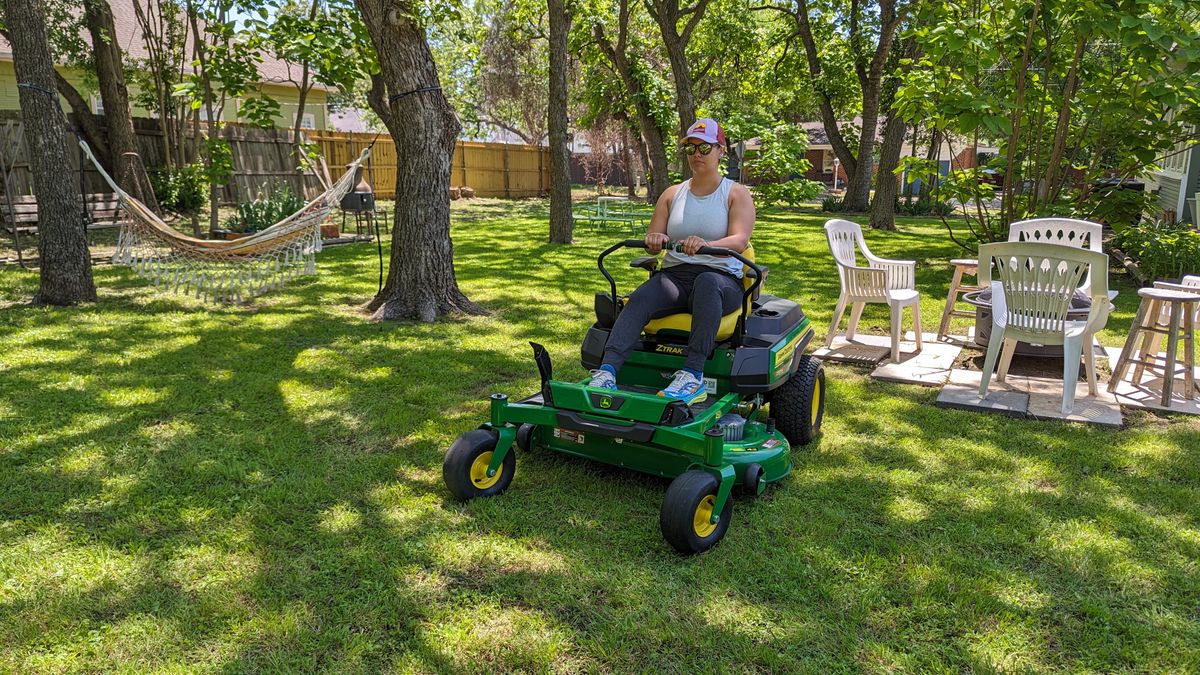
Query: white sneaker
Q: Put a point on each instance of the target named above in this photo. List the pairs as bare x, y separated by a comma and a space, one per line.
686, 387
603, 379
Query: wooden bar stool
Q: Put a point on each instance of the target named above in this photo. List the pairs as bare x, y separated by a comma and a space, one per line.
1161, 312
961, 266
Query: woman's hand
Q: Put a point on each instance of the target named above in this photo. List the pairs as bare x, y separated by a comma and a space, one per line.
655, 242
692, 244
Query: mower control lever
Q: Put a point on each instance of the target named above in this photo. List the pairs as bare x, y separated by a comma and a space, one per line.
705, 250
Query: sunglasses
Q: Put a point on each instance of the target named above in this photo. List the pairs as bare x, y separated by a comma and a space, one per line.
691, 148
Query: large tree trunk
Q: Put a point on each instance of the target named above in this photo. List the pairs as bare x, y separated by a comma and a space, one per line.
65, 267
130, 171
667, 14
407, 97
82, 118
561, 225
883, 207
660, 178
870, 77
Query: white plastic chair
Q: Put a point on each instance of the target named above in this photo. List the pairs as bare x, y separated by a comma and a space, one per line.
1030, 300
1063, 232
883, 281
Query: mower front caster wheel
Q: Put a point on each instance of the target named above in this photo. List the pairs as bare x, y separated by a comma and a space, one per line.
465, 468
686, 516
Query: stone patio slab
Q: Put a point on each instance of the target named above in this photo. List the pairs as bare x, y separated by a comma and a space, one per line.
930, 367
863, 350
1020, 395
966, 397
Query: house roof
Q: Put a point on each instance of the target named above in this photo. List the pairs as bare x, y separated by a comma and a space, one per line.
129, 37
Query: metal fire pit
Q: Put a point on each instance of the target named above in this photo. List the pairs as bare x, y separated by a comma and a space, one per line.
982, 300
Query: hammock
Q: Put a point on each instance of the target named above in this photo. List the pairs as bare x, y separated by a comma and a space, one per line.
223, 271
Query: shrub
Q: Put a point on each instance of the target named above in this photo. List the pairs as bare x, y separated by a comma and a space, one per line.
831, 204
181, 190
277, 203
779, 166
1118, 208
925, 207
1162, 250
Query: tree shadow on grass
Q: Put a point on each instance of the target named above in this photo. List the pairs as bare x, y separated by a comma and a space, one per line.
267, 481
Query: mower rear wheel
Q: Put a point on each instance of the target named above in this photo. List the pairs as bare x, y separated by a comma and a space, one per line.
686, 513
799, 405
465, 468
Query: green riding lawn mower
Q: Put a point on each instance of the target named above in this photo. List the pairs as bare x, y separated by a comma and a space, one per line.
765, 396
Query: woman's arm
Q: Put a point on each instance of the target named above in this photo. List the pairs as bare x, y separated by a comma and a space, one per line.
656, 233
741, 224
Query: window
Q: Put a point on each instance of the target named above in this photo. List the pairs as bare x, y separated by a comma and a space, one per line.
827, 161
309, 121
97, 105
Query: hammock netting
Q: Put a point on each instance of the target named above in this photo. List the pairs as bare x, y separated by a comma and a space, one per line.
223, 271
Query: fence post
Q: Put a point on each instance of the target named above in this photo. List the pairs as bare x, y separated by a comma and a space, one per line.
507, 190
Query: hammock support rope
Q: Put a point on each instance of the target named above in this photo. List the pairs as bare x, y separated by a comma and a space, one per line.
223, 271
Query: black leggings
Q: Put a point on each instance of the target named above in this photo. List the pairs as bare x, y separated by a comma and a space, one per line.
699, 289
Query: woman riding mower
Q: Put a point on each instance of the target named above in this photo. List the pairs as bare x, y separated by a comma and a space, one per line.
705, 210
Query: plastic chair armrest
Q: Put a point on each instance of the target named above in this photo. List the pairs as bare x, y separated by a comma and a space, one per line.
901, 274
865, 281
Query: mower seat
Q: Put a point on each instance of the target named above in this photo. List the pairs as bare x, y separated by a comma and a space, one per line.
681, 323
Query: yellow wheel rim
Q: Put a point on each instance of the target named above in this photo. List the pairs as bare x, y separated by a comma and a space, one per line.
479, 467
702, 520
816, 401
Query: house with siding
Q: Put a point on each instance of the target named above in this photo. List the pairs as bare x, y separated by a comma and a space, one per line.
1178, 181
276, 78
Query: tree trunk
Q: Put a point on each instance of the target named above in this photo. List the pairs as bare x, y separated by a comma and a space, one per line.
65, 267
883, 207
643, 162
561, 225
667, 14
931, 154
660, 178
85, 122
130, 171
627, 160
407, 96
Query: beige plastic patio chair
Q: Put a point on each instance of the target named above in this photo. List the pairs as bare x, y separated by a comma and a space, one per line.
1032, 285
1064, 232
883, 281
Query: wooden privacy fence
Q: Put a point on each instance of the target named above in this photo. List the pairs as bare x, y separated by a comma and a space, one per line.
262, 160
492, 169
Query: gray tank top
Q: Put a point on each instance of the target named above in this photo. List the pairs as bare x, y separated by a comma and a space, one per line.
706, 217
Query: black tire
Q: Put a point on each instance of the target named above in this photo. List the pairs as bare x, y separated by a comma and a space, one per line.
752, 480
680, 508
525, 436
792, 405
470, 450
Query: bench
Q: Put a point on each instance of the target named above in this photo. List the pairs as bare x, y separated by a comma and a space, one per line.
104, 212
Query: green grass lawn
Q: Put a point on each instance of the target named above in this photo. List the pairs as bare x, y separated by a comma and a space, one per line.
186, 487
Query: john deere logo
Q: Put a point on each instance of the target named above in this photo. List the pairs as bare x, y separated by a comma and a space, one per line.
605, 402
